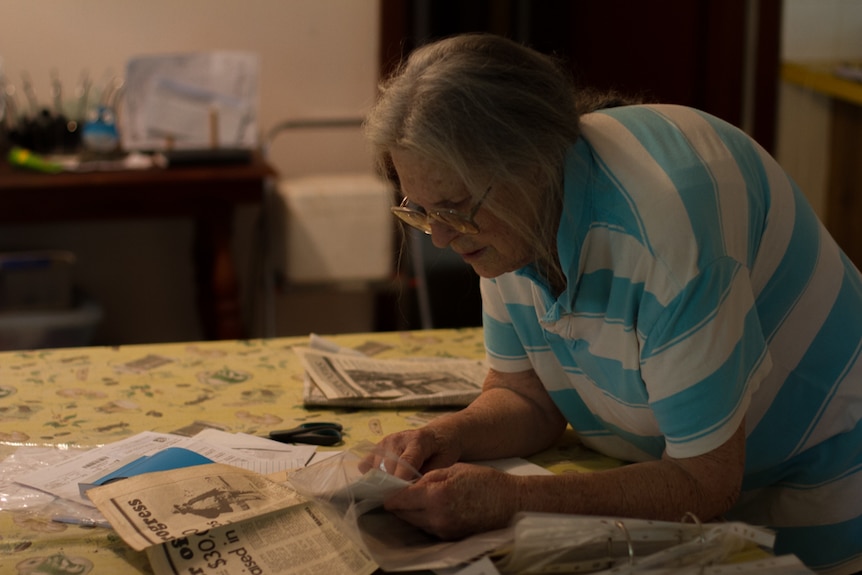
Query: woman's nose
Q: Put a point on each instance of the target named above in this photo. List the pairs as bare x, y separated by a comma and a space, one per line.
442, 234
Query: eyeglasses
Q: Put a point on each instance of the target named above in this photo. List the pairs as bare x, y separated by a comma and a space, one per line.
421, 220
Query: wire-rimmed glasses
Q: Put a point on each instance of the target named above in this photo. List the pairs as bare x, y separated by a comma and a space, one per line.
419, 218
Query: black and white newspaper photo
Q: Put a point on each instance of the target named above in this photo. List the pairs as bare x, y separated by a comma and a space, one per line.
342, 379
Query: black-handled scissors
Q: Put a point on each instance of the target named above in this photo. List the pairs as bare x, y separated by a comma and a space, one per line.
313, 433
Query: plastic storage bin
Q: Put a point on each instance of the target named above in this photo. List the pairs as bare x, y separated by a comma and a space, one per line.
36, 280
73, 327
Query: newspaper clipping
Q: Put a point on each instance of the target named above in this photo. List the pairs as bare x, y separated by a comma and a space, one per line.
358, 381
218, 520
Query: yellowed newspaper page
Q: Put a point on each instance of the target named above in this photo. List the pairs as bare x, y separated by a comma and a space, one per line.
294, 541
218, 519
156, 507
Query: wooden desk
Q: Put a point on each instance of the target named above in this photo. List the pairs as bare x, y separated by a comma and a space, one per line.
206, 193
844, 187
84, 397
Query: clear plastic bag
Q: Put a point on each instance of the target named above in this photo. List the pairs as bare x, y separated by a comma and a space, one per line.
558, 543
351, 488
355, 481
14, 496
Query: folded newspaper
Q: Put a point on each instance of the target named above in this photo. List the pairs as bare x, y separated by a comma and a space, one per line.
351, 380
217, 519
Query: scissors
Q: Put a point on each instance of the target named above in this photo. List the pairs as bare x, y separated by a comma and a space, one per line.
313, 433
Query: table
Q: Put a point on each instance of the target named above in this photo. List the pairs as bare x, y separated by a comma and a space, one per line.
208, 193
843, 189
84, 397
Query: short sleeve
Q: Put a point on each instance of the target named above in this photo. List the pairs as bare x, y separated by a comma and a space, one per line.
503, 347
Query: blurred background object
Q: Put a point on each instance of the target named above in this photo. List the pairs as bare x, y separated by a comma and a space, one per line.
322, 59
40, 305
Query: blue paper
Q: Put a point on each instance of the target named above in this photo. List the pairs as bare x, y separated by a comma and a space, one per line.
169, 458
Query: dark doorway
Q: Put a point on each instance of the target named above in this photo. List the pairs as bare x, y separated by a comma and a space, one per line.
720, 56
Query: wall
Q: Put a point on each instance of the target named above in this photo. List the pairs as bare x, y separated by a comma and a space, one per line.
826, 30
318, 59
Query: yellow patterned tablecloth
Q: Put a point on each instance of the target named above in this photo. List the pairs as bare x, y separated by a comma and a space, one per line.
76, 398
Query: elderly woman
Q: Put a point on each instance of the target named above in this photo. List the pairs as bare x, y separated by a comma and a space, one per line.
651, 277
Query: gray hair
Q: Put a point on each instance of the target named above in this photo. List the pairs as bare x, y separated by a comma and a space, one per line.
489, 109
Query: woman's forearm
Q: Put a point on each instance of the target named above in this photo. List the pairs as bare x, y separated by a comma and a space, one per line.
665, 489
460, 499
507, 420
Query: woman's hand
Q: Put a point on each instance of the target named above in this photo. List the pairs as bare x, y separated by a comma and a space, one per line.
404, 453
513, 417
458, 500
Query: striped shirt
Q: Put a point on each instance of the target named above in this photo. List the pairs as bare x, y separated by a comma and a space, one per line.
701, 290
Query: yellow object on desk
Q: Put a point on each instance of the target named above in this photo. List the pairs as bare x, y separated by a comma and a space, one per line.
86, 397
824, 78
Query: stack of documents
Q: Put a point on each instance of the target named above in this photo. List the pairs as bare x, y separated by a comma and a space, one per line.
150, 451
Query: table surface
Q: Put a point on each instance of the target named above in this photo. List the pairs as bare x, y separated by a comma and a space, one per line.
84, 397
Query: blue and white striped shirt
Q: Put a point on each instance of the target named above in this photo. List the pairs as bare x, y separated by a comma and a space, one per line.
701, 290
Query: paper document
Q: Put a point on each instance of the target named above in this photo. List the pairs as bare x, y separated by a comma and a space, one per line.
63, 479
194, 100
216, 519
358, 381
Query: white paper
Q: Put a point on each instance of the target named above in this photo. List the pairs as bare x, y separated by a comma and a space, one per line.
62, 480
176, 98
293, 456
